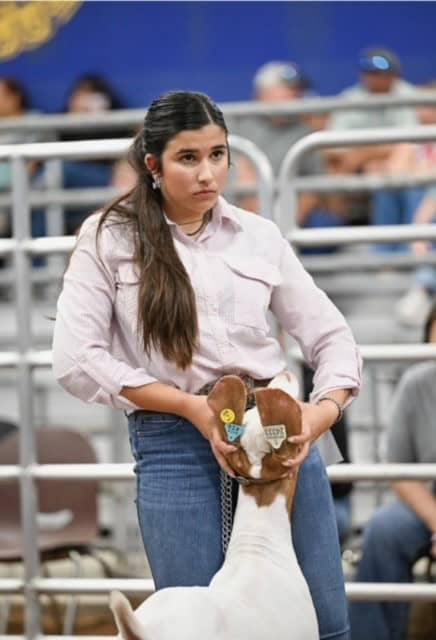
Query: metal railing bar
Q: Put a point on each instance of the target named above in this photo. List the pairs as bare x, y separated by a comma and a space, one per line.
96, 196
346, 262
7, 246
361, 182
67, 197
265, 175
359, 234
84, 149
370, 353
11, 585
9, 359
343, 262
124, 471
390, 591
27, 444
9, 472
92, 585
372, 591
385, 352
303, 237
288, 198
125, 118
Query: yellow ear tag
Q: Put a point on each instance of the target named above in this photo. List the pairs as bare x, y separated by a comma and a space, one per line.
227, 415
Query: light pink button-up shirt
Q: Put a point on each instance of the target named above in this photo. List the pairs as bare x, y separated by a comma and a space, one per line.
240, 267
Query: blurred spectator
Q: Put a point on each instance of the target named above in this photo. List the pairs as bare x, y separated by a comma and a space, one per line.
398, 206
13, 104
416, 303
404, 530
90, 93
379, 75
275, 82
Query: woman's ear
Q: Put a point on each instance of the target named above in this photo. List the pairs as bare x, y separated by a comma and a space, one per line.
151, 163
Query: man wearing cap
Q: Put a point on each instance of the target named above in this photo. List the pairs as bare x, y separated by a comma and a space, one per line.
279, 82
379, 75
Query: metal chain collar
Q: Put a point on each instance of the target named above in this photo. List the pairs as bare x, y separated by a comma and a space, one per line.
226, 493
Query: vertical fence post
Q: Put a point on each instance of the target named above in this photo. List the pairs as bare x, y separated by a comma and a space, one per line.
23, 296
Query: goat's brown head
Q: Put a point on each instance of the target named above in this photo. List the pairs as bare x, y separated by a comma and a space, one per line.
261, 433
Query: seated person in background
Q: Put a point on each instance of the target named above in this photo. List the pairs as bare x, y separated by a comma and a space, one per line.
402, 531
379, 75
274, 135
90, 93
414, 306
14, 103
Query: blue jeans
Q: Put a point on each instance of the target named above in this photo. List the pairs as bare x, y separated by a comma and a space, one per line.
179, 512
394, 206
394, 539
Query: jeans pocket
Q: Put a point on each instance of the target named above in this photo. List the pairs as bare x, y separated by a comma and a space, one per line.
151, 426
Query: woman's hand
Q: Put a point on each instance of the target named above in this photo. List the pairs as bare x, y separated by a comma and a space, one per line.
198, 412
315, 419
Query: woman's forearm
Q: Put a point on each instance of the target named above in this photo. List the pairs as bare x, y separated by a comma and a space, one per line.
159, 397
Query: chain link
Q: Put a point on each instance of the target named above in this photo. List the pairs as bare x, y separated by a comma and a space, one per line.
226, 492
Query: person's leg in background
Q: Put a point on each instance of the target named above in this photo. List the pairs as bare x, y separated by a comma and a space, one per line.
318, 219
393, 540
394, 206
386, 209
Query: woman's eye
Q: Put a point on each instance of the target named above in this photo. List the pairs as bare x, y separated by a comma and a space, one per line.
218, 154
188, 158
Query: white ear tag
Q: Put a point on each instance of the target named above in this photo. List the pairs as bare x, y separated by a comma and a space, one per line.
275, 434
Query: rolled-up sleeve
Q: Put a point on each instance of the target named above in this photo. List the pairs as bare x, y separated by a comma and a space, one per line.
306, 313
82, 361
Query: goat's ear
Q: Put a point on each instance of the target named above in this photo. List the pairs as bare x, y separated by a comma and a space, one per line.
276, 407
127, 624
228, 393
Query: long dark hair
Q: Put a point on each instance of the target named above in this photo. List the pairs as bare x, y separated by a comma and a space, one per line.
167, 314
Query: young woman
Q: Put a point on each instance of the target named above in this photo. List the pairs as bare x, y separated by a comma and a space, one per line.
167, 290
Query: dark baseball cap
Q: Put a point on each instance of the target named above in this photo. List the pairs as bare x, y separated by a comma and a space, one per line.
276, 72
379, 60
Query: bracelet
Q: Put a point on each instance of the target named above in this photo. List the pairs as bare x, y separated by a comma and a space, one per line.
337, 405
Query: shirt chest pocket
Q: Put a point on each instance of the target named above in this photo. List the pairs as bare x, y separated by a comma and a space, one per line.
127, 291
252, 282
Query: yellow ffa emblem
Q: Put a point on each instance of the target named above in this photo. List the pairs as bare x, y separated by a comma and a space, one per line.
26, 25
227, 415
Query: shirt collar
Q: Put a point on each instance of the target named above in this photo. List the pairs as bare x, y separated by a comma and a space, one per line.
222, 210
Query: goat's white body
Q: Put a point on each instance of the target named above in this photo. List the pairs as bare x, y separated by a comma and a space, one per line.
258, 594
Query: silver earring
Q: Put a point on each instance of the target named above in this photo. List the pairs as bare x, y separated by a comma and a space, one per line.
157, 182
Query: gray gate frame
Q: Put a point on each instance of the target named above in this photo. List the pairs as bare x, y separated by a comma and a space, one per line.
22, 247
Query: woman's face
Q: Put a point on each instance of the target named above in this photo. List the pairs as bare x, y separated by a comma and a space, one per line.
194, 168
